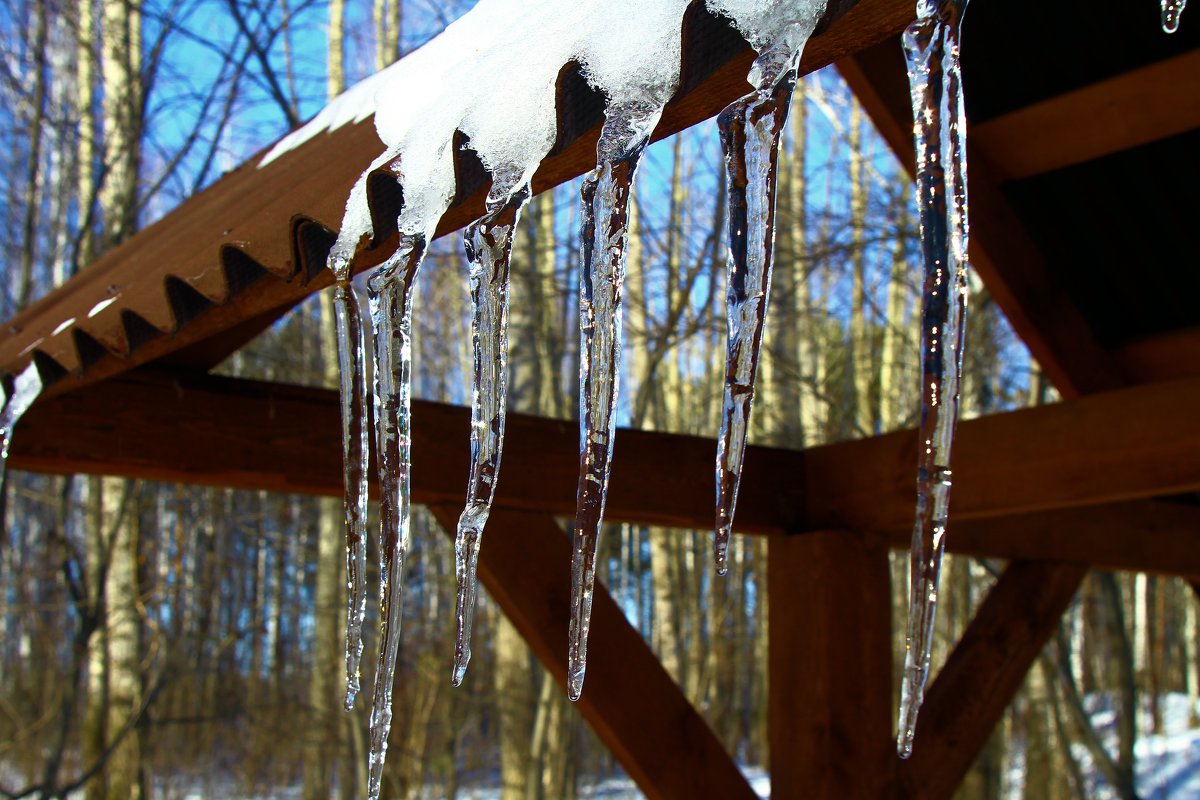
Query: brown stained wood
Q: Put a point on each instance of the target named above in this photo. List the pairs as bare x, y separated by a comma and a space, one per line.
1137, 108
253, 209
983, 672
1153, 536
1002, 252
830, 648
1121, 446
1164, 357
630, 701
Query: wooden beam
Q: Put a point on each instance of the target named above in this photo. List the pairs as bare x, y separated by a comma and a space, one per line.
1002, 252
234, 251
983, 672
1112, 448
1153, 536
1159, 358
1136, 108
630, 701
830, 696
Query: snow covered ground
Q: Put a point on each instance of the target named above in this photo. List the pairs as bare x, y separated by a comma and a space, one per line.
1168, 767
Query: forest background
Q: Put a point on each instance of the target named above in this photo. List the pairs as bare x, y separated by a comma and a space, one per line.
166, 640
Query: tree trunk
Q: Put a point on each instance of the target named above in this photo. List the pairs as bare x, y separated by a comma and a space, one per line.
1191, 651
120, 67
335, 71
893, 411
34, 160
860, 337
514, 699
85, 95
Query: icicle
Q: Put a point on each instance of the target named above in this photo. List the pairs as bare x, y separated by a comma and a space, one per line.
390, 295
1172, 10
489, 244
750, 133
604, 207
26, 389
931, 45
355, 464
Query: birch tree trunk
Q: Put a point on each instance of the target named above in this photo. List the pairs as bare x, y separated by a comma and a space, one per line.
114, 679
1191, 635
37, 116
896, 333
862, 364
120, 72
85, 66
335, 71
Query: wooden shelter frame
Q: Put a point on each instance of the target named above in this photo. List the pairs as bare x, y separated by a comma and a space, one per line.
1056, 490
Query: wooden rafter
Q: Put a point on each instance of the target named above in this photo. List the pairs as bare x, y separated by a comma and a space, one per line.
1159, 358
1136, 108
631, 702
1108, 449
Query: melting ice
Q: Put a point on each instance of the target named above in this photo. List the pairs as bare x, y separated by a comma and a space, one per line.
355, 464
750, 134
1172, 10
931, 45
489, 247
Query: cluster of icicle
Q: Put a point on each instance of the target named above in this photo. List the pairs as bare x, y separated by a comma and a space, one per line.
630, 51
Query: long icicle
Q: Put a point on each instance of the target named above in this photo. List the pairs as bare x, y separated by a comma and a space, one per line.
489, 246
931, 45
604, 217
390, 295
356, 453
750, 128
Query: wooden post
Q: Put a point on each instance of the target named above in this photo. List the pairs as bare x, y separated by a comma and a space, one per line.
830, 667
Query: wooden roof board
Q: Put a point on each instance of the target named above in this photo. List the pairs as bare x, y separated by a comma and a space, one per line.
249, 209
1119, 233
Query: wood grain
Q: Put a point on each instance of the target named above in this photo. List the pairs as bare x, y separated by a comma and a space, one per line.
830, 696
1112, 448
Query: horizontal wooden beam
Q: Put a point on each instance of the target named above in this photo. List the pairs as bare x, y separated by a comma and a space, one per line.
1126, 445
631, 702
1154, 536
1136, 108
1159, 358
983, 673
